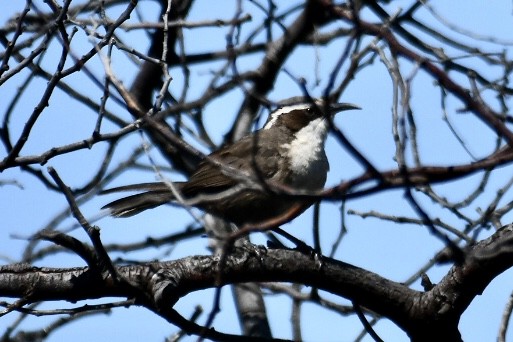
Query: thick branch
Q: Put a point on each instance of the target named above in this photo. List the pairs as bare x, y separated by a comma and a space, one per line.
421, 314
167, 282
437, 312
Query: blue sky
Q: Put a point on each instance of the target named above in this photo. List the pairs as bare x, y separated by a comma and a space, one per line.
385, 248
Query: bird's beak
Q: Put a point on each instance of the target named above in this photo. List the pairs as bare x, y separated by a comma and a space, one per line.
339, 107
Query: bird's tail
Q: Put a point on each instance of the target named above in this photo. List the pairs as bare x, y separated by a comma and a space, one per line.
153, 195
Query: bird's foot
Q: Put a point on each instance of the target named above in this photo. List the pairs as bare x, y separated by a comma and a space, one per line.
257, 250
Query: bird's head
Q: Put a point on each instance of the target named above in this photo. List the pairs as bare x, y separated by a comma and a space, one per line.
299, 128
297, 113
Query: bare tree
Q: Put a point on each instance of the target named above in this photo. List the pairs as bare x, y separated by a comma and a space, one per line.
103, 93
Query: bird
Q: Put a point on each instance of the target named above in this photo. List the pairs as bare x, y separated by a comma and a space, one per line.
289, 150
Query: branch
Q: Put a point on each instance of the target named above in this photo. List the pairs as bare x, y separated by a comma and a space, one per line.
472, 103
166, 282
417, 176
435, 312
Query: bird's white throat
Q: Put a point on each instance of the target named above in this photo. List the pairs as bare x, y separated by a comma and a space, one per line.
306, 150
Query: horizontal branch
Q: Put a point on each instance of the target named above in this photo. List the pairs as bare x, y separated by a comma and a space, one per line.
161, 284
166, 282
416, 176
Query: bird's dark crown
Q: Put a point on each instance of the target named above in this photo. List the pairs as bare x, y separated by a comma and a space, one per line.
296, 112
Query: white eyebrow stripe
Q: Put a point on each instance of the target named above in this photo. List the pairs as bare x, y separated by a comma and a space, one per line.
284, 110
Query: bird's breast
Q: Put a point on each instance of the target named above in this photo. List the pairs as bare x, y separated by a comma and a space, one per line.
305, 155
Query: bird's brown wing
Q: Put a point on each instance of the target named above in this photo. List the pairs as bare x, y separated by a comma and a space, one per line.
210, 178
207, 179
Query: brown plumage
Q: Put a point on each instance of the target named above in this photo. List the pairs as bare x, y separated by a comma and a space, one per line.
266, 154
